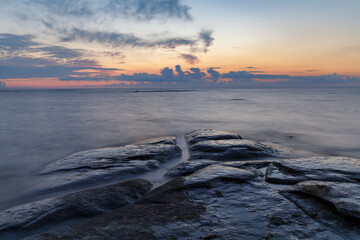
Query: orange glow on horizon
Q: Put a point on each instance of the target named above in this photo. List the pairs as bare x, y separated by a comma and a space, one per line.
56, 83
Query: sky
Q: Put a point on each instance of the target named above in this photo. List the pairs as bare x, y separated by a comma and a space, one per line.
179, 43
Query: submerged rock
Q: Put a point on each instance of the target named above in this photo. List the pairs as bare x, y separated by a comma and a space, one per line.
336, 169
84, 204
214, 203
104, 163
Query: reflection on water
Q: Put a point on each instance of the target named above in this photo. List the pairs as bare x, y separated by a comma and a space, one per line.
37, 127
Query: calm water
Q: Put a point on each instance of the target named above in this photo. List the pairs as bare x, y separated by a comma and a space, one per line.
37, 127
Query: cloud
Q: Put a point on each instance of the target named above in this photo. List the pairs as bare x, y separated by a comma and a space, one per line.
312, 70
22, 57
114, 39
214, 75
2, 84
190, 58
106, 11
24, 51
206, 37
61, 52
12, 42
118, 55
166, 75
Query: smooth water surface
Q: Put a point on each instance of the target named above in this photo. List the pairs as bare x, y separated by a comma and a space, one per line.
40, 126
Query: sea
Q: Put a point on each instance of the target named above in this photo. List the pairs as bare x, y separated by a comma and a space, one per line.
41, 126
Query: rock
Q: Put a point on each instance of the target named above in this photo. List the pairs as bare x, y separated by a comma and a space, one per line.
80, 205
105, 163
215, 172
224, 146
345, 197
231, 150
188, 167
216, 202
208, 134
336, 169
157, 140
333, 204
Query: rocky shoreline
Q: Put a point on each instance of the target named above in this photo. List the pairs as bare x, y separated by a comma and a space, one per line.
228, 188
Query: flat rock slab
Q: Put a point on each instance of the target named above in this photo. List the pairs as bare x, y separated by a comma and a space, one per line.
333, 204
80, 205
335, 169
345, 197
105, 163
188, 167
224, 146
214, 203
208, 134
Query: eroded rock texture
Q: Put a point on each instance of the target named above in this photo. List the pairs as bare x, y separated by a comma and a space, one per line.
84, 204
105, 163
214, 203
229, 188
224, 146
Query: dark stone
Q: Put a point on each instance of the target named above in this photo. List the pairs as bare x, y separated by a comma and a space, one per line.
80, 205
335, 169
216, 202
208, 134
106, 163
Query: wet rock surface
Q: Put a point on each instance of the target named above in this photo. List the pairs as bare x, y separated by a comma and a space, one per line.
231, 188
188, 167
81, 205
223, 146
345, 197
335, 169
209, 134
233, 204
105, 163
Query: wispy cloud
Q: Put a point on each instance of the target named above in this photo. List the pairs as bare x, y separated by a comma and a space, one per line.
190, 58
115, 39
61, 52
206, 37
13, 42
140, 10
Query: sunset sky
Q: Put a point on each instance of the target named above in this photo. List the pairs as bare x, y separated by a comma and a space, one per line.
174, 43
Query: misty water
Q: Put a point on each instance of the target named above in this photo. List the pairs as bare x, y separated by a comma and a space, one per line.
41, 126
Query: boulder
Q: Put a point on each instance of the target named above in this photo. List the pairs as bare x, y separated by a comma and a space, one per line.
80, 205
106, 163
